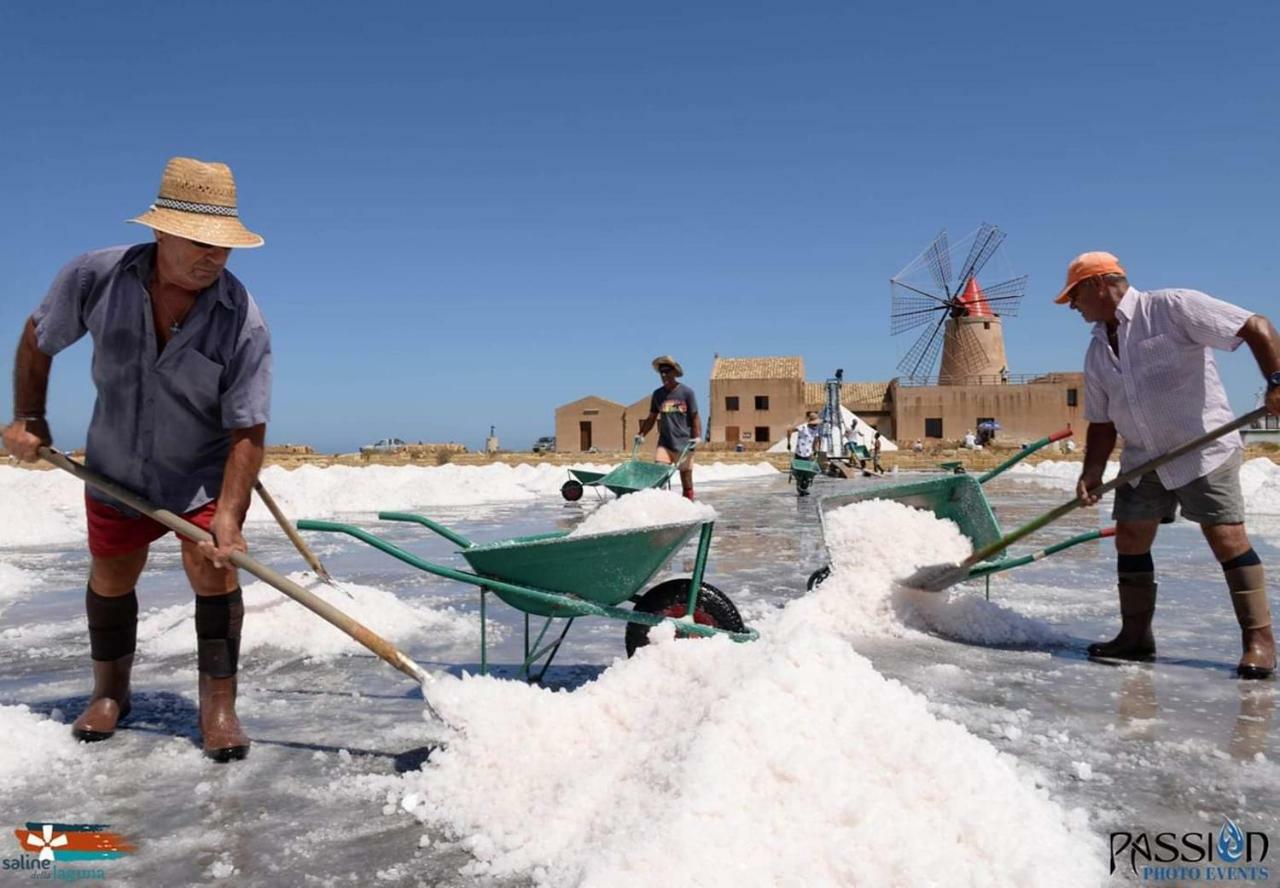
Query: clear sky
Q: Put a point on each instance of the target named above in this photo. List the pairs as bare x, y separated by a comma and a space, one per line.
476, 212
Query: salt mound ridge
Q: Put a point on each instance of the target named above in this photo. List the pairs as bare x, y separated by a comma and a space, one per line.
46, 508
274, 620
644, 508
786, 761
1259, 480
865, 564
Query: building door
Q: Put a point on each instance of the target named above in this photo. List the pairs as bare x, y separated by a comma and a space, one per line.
584, 435
732, 434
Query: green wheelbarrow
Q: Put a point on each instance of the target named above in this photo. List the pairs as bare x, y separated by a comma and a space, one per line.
960, 498
627, 477
555, 576
802, 473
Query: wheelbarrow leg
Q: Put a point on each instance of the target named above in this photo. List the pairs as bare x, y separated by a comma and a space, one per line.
484, 665
550, 650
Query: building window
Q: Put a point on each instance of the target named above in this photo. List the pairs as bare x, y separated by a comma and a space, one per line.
1073, 396
762, 432
933, 427
762, 402
731, 402
593, 411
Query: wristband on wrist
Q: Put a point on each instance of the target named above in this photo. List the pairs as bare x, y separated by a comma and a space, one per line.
29, 417
1273, 381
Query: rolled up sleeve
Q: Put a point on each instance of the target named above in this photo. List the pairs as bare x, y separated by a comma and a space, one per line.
1208, 321
1096, 402
246, 395
60, 316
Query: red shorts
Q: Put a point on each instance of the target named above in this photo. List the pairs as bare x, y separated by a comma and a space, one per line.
113, 533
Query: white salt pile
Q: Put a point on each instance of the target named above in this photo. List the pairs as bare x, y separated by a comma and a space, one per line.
31, 745
644, 508
15, 583
872, 543
274, 620
46, 508
40, 508
1259, 480
786, 761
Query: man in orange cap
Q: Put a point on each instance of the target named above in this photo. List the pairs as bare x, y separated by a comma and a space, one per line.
1151, 378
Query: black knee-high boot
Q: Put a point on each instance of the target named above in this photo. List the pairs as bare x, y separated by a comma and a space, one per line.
113, 636
218, 621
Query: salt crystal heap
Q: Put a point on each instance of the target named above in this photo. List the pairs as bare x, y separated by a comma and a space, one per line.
644, 508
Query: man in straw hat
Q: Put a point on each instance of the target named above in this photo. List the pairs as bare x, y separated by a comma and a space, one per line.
182, 367
674, 405
1151, 378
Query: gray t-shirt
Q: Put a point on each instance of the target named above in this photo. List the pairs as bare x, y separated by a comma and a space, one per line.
161, 424
675, 411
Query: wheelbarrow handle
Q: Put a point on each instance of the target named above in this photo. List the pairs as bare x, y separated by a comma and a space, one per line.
1131, 475
312, 602
1024, 453
451, 535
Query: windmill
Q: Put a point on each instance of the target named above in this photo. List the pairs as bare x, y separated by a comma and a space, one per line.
961, 317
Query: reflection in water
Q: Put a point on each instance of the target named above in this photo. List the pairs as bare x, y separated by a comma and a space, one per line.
1253, 724
1137, 707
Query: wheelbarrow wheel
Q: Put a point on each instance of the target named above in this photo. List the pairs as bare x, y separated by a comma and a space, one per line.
818, 576
571, 490
671, 599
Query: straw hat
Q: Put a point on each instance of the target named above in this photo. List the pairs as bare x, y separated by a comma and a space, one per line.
198, 201
667, 359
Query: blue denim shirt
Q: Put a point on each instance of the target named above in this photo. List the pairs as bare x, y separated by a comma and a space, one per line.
161, 424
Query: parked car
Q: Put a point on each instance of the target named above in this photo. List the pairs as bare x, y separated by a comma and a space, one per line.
544, 445
386, 445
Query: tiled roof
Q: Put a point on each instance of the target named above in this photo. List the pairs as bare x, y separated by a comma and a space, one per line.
860, 397
758, 368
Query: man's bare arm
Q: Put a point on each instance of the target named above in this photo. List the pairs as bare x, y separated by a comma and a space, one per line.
244, 461
1099, 441
31, 368
1264, 342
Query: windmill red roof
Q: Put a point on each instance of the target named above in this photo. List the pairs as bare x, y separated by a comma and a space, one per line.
976, 300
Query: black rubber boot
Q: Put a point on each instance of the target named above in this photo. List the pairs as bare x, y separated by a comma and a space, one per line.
218, 622
113, 634
1137, 610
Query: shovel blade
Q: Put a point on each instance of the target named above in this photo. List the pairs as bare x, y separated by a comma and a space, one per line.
935, 577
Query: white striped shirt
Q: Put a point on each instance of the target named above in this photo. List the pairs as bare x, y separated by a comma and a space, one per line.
1163, 389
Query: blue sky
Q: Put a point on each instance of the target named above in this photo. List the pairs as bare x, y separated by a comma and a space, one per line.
475, 212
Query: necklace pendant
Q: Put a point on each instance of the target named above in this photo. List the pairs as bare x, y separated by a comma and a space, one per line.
174, 329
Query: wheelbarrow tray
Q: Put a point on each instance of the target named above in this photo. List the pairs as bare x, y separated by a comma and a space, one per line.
605, 569
800, 467
585, 477
959, 498
635, 475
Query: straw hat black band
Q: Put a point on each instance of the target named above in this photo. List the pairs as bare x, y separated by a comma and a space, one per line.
188, 207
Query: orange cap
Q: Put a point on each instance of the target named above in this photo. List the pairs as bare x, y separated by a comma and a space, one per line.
1088, 265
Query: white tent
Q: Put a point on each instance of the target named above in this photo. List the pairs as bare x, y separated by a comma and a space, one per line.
863, 434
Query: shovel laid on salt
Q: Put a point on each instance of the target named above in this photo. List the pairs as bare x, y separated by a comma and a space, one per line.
937, 577
312, 602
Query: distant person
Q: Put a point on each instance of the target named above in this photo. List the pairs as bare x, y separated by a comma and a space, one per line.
918, 447
875, 455
676, 407
970, 442
808, 436
182, 365
1168, 393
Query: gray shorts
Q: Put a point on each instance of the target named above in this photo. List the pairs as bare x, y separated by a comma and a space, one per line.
1213, 499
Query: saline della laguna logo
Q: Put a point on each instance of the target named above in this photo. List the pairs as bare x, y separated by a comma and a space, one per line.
1230, 855
65, 851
